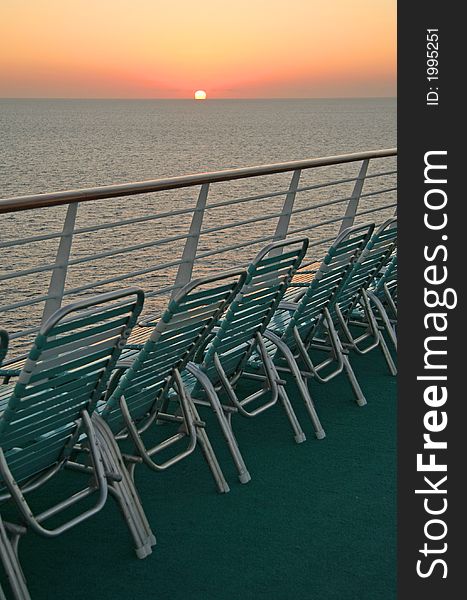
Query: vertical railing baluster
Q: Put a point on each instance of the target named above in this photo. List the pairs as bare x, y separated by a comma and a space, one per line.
352, 206
284, 220
59, 273
185, 268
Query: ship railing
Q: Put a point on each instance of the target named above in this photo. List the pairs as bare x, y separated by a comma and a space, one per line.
159, 234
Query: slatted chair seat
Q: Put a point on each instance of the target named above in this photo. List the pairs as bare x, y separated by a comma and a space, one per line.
45, 422
147, 385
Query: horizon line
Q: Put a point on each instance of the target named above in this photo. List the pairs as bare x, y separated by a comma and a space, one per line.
191, 98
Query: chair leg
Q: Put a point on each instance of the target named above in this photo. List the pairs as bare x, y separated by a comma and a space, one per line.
302, 386
299, 434
357, 390
387, 355
123, 490
384, 317
243, 474
209, 455
10, 560
380, 341
213, 398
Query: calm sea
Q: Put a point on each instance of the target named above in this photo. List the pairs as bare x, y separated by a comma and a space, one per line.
57, 144
48, 145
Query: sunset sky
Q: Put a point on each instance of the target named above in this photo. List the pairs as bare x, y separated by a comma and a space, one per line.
169, 49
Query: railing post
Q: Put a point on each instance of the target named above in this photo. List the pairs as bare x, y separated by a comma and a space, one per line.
352, 206
185, 268
284, 220
59, 273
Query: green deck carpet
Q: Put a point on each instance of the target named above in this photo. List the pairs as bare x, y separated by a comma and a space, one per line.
318, 520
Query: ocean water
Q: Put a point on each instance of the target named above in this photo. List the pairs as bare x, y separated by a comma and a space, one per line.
49, 145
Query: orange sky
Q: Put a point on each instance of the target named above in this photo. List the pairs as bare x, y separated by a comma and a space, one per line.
169, 48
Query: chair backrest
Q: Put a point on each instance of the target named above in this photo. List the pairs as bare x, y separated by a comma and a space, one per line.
388, 279
184, 326
268, 276
65, 373
327, 282
3, 344
370, 262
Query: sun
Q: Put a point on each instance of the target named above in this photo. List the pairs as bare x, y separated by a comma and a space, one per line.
200, 95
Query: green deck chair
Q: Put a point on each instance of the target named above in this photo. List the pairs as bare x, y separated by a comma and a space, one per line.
141, 396
383, 299
386, 288
239, 333
353, 300
45, 420
295, 325
320, 320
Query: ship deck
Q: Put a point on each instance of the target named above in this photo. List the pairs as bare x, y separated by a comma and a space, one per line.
318, 519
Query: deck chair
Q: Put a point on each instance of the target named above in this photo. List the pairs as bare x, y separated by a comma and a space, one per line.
240, 332
353, 298
45, 420
4, 339
320, 320
147, 374
386, 287
295, 325
383, 299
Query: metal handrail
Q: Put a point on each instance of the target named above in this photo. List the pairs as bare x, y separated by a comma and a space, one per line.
198, 240
19, 203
